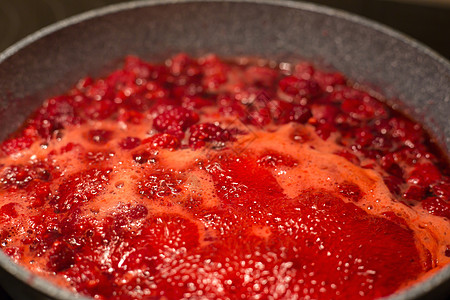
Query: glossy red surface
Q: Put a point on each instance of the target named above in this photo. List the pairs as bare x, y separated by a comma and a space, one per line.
246, 238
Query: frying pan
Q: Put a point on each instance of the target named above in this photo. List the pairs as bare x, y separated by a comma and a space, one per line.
51, 60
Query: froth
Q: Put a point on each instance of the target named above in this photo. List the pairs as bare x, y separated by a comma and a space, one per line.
319, 168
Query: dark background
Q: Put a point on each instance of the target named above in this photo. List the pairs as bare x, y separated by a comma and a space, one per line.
429, 23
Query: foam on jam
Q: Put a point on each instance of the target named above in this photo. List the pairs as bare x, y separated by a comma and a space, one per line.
206, 179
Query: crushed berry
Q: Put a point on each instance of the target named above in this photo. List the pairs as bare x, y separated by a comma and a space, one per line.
129, 143
350, 190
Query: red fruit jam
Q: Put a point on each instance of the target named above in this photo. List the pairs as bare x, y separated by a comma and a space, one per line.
212, 179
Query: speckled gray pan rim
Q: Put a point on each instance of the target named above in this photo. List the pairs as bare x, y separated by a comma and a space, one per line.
419, 51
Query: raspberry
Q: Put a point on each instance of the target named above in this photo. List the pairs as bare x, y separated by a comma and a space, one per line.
155, 91
424, 175
405, 129
327, 80
162, 140
414, 193
364, 136
8, 211
19, 176
183, 64
140, 68
442, 190
90, 278
355, 108
207, 132
283, 112
79, 230
80, 187
56, 114
395, 170
215, 72
294, 86
15, 145
259, 117
304, 70
175, 121
125, 215
395, 218
324, 130
101, 110
137, 212
61, 257
437, 207
229, 106
39, 193
15, 253
98, 91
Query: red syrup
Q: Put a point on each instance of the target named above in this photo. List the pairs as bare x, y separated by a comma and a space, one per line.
212, 179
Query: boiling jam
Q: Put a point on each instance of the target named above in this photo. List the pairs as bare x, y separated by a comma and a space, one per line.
212, 179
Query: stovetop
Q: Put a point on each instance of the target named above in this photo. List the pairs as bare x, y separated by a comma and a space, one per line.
428, 24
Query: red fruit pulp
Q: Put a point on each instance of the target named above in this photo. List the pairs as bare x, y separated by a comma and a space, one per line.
202, 178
